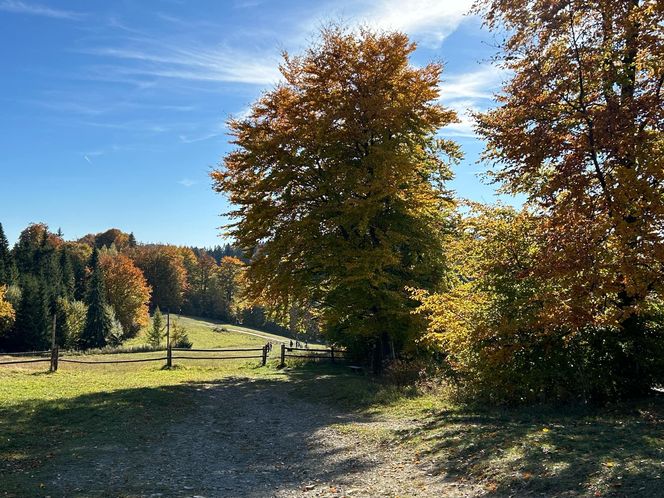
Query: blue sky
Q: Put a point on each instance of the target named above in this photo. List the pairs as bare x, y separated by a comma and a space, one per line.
113, 113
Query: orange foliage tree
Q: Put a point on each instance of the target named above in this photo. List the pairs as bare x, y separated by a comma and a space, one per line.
164, 269
579, 130
127, 291
7, 313
338, 182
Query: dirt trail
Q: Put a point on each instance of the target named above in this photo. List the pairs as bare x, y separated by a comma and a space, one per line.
247, 438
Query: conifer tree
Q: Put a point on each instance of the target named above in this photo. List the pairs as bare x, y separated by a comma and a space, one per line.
67, 273
7, 272
31, 330
98, 323
156, 330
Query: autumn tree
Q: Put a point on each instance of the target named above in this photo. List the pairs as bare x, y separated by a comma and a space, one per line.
163, 267
35, 245
338, 183
229, 283
7, 313
579, 131
127, 291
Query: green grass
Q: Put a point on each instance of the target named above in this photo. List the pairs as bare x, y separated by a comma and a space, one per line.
202, 334
48, 420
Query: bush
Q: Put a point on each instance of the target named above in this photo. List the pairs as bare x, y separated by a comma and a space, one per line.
495, 334
179, 336
70, 322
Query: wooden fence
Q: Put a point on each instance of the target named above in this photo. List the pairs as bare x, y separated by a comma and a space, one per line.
318, 354
55, 356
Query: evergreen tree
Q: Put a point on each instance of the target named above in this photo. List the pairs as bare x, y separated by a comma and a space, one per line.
156, 331
98, 323
51, 277
31, 330
7, 270
67, 274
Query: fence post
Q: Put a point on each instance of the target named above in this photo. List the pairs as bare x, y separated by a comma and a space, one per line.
332, 353
55, 352
282, 363
169, 352
54, 347
264, 361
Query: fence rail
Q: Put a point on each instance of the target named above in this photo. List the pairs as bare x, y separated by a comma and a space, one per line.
319, 354
27, 353
56, 356
15, 362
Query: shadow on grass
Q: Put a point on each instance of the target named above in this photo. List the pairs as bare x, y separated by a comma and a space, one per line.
527, 451
551, 451
338, 386
231, 437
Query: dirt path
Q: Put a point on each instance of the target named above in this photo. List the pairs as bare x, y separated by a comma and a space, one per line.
250, 438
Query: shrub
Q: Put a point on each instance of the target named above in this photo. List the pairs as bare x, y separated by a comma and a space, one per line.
499, 341
179, 336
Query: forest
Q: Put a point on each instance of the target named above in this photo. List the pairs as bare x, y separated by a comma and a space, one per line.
102, 288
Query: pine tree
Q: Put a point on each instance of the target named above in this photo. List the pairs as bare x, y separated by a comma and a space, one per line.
98, 323
51, 276
68, 277
6, 260
157, 329
31, 330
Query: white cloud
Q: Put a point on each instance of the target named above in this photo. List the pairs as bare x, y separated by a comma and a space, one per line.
432, 20
18, 7
469, 92
216, 64
481, 83
186, 182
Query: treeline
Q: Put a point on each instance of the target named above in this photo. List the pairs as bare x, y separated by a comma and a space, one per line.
101, 288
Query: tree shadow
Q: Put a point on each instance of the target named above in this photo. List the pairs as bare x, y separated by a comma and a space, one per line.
230, 437
550, 451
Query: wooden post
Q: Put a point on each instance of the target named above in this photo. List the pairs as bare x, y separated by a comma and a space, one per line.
332, 353
282, 363
169, 352
55, 354
264, 361
54, 347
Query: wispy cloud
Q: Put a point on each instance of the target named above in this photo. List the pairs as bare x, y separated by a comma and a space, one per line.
187, 182
431, 20
470, 92
197, 63
481, 83
18, 7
